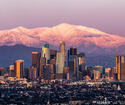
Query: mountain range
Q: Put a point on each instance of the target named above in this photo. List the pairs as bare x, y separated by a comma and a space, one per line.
95, 43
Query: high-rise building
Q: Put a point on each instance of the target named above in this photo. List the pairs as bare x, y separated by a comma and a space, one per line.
113, 73
33, 73
11, 70
36, 59
120, 67
63, 49
46, 53
81, 61
72, 56
60, 65
72, 51
19, 68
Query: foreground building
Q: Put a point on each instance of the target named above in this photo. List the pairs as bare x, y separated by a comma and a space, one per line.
19, 68
120, 67
60, 63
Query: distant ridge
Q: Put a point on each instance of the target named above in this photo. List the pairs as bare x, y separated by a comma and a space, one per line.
8, 54
89, 40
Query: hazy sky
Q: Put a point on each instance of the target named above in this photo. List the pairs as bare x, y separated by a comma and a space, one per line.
106, 15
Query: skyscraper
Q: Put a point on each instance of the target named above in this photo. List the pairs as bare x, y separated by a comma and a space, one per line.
36, 59
33, 73
46, 53
72, 62
120, 67
81, 61
72, 53
59, 65
63, 49
19, 68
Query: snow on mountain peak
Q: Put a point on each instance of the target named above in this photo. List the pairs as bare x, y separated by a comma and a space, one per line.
20, 28
73, 35
92, 30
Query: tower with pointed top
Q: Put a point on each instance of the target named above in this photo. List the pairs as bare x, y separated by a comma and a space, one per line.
63, 49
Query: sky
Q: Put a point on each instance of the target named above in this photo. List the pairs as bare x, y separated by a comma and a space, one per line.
105, 15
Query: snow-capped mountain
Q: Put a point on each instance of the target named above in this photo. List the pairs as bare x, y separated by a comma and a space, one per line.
86, 39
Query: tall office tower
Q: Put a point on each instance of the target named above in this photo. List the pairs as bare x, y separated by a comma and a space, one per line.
19, 68
63, 49
120, 67
76, 69
46, 53
60, 65
72, 52
81, 61
33, 73
72, 55
36, 57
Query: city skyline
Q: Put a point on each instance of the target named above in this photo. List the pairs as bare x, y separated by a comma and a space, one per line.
105, 15
62, 52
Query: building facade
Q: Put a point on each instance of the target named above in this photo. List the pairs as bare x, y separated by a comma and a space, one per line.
120, 67
19, 68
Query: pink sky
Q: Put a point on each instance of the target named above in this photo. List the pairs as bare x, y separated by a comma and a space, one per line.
106, 15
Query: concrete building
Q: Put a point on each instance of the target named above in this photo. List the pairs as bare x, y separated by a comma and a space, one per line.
33, 75
63, 49
46, 53
72, 63
11, 70
36, 57
60, 65
99, 68
19, 68
120, 67
96, 74
81, 61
